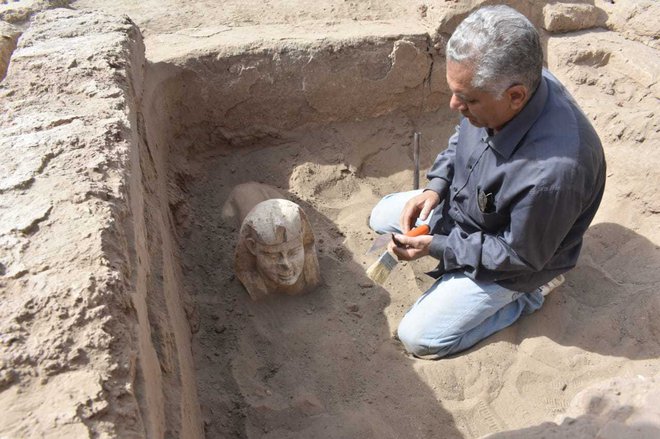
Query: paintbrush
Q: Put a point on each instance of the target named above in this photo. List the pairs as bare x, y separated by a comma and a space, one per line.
381, 269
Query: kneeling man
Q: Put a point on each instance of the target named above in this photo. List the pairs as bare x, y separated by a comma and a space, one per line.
510, 198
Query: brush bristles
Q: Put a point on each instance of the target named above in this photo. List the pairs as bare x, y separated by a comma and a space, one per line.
381, 269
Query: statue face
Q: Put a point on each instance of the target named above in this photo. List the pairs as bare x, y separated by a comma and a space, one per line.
282, 263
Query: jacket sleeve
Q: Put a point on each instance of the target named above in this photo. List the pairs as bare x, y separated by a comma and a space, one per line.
441, 173
539, 222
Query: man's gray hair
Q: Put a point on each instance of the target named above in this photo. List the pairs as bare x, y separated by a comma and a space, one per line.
502, 45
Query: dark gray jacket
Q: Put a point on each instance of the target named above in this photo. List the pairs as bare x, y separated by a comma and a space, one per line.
516, 204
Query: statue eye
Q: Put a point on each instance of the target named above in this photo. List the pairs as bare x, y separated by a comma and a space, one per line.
294, 251
272, 256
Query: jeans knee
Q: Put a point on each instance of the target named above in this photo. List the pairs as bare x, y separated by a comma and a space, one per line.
412, 344
413, 339
379, 220
385, 215
418, 342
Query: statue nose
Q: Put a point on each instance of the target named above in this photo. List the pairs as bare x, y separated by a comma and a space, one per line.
284, 261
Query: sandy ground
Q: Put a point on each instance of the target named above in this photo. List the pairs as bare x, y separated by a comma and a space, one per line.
325, 365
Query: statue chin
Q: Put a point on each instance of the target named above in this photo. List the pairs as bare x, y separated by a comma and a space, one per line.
281, 283
288, 280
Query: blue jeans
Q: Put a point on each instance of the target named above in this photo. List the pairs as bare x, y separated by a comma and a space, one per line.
456, 312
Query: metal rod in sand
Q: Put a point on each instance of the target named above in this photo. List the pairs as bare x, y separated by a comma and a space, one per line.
416, 138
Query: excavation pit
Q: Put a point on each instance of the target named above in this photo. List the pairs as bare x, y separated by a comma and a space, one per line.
116, 263
332, 132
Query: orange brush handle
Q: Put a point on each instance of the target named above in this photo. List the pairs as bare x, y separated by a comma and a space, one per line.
424, 229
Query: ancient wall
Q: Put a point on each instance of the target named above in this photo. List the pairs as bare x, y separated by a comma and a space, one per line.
234, 85
93, 335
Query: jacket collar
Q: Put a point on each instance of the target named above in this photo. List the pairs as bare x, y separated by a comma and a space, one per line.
506, 141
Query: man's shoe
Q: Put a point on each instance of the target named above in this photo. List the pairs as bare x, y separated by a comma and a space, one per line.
554, 283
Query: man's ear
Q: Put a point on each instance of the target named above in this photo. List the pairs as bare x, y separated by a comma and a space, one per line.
251, 245
517, 96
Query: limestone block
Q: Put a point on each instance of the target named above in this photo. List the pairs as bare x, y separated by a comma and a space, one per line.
638, 20
276, 251
570, 17
20, 11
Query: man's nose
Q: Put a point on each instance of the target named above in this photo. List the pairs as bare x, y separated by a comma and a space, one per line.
456, 104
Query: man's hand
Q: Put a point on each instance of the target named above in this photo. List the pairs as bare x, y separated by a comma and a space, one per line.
418, 207
411, 248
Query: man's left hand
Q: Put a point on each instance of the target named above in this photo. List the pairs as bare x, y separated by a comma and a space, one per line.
411, 248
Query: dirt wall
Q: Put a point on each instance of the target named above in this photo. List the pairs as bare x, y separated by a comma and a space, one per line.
234, 86
93, 337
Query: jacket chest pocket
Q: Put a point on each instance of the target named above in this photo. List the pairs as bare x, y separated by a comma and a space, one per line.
484, 210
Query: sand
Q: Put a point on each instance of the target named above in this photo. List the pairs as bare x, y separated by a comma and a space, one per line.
186, 352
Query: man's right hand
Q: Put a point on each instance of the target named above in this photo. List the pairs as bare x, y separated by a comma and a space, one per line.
418, 207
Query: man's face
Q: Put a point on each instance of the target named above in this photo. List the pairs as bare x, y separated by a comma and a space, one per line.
281, 263
480, 107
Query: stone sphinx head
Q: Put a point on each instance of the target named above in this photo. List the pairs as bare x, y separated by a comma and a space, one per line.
276, 253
